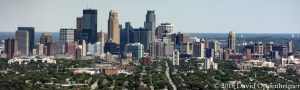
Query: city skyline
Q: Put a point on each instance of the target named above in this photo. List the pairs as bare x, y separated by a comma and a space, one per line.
253, 16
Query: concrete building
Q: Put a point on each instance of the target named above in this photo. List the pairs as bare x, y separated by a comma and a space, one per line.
40, 49
163, 28
210, 64
10, 47
95, 49
231, 40
23, 42
65, 36
176, 58
137, 49
259, 49
113, 27
70, 48
186, 48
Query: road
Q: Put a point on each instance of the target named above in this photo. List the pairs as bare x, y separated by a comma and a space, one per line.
93, 87
168, 76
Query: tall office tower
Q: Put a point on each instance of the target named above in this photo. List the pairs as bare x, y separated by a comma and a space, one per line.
289, 45
231, 40
163, 28
198, 50
78, 31
176, 57
89, 26
113, 27
30, 31
78, 52
259, 49
156, 49
268, 48
168, 47
10, 47
23, 42
126, 36
45, 38
137, 49
150, 25
186, 48
65, 36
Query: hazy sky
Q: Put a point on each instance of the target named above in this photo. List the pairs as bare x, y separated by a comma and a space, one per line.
202, 16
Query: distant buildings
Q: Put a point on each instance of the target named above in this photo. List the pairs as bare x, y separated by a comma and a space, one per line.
198, 50
89, 26
113, 27
11, 47
136, 49
31, 35
163, 28
210, 64
65, 36
95, 49
231, 40
23, 42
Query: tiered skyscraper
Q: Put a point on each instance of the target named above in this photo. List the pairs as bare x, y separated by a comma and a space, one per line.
89, 26
113, 27
150, 25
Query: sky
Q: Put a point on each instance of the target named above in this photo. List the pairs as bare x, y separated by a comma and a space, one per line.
190, 16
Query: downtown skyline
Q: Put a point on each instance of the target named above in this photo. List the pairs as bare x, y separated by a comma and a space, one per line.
203, 16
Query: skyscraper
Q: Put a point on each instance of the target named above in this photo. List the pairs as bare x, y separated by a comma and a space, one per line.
78, 32
89, 26
45, 38
198, 49
163, 28
65, 36
126, 35
176, 57
113, 27
150, 25
231, 40
289, 45
23, 42
11, 47
31, 35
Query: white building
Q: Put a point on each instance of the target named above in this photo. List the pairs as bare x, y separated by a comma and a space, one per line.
95, 49
27, 60
210, 64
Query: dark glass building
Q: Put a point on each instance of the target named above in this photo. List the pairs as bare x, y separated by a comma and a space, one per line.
30, 31
89, 26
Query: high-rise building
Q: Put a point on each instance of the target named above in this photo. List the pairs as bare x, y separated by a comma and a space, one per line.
45, 38
209, 53
110, 47
231, 40
186, 48
176, 57
163, 28
65, 36
10, 47
89, 26
210, 64
40, 49
113, 27
289, 45
156, 48
70, 48
31, 35
136, 49
259, 49
78, 31
126, 36
78, 52
198, 49
150, 25
23, 42
268, 48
